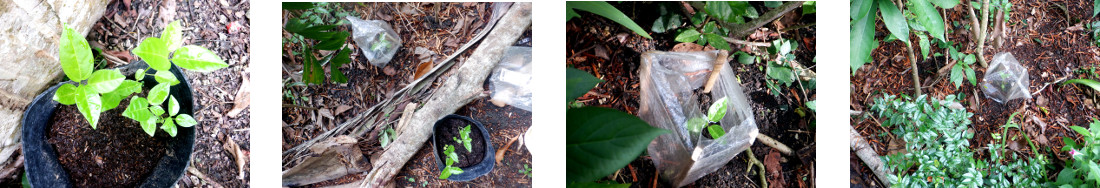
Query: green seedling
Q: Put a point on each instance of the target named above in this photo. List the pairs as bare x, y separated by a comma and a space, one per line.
526, 170
466, 141
91, 92
381, 43
1083, 171
714, 115
452, 158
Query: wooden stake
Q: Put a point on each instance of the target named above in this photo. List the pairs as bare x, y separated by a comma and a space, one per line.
719, 63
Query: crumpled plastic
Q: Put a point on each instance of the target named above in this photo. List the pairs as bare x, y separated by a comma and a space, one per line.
1005, 79
667, 101
378, 41
511, 79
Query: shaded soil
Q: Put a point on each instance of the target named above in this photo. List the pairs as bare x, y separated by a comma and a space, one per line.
613, 53
1040, 35
440, 28
221, 26
449, 130
116, 154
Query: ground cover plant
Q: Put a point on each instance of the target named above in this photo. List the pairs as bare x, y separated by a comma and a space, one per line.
772, 46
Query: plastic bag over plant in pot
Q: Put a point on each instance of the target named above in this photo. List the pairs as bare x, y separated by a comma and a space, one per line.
1005, 79
376, 38
511, 79
668, 101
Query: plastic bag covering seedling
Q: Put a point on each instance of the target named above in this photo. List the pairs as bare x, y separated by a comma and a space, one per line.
376, 38
1005, 79
511, 79
668, 80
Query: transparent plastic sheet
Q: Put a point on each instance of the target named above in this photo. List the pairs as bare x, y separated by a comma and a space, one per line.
1006, 79
376, 38
511, 79
667, 101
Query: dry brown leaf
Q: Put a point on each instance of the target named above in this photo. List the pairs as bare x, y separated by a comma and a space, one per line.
243, 98
423, 69
341, 109
502, 150
389, 71
239, 155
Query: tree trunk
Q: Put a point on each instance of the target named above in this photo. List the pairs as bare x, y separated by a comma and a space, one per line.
32, 31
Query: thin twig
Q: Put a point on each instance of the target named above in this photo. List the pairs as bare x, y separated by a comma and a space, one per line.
747, 43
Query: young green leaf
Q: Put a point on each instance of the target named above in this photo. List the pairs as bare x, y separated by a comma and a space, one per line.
688, 35
716, 131
169, 127
173, 106
781, 73
127, 87
957, 75
75, 55
607, 11
139, 74
166, 77
110, 101
946, 4
696, 124
185, 120
449, 150
103, 81
88, 103
578, 82
172, 36
156, 110
745, 58
894, 20
600, 141
158, 93
720, 10
137, 109
149, 123
862, 35
718, 110
334, 65
809, 7
717, 41
335, 42
925, 47
154, 52
66, 94
1090, 83
466, 141
929, 17
197, 58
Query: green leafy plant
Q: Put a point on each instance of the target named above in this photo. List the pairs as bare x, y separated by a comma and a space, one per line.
386, 137
962, 68
526, 170
160, 54
603, 9
705, 28
315, 22
715, 113
1087, 82
452, 158
465, 140
1083, 171
937, 141
91, 92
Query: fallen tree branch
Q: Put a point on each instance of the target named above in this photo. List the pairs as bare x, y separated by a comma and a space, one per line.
769, 141
869, 156
742, 30
459, 88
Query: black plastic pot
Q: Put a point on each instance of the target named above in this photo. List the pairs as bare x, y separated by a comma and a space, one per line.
471, 172
42, 167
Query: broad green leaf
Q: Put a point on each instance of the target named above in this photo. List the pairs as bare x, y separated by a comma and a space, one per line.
155, 53
600, 141
570, 14
106, 80
894, 20
127, 88
173, 106
138, 109
110, 101
659, 24
297, 5
812, 105
772, 4
319, 32
946, 4
166, 77
688, 35
745, 58
334, 65
781, 73
718, 110
139, 74
957, 75
862, 36
451, 155
716, 131
66, 94
970, 76
185, 120
717, 41
1095, 7
169, 127
578, 82
75, 55
384, 139
928, 17
720, 10
172, 36
809, 7
1087, 82
1080, 130
450, 170
148, 122
156, 110
197, 58
925, 47
89, 104
607, 11
596, 185
318, 76
969, 59
295, 25
338, 39
696, 124
158, 94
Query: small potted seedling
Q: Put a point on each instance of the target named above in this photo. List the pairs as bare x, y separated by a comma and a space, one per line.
75, 134
474, 156
710, 126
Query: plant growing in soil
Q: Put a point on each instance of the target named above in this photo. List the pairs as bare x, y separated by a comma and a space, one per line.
714, 115
312, 21
466, 141
452, 158
1083, 172
92, 92
603, 9
160, 54
937, 141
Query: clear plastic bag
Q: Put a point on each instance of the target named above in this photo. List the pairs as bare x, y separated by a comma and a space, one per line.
376, 38
1005, 79
668, 80
511, 79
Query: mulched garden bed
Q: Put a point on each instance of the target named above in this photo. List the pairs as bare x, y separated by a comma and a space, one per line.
118, 153
1041, 35
613, 53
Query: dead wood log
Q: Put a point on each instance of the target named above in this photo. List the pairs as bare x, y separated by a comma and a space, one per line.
869, 156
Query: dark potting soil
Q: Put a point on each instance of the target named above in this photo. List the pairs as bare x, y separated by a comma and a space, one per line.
116, 154
450, 129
